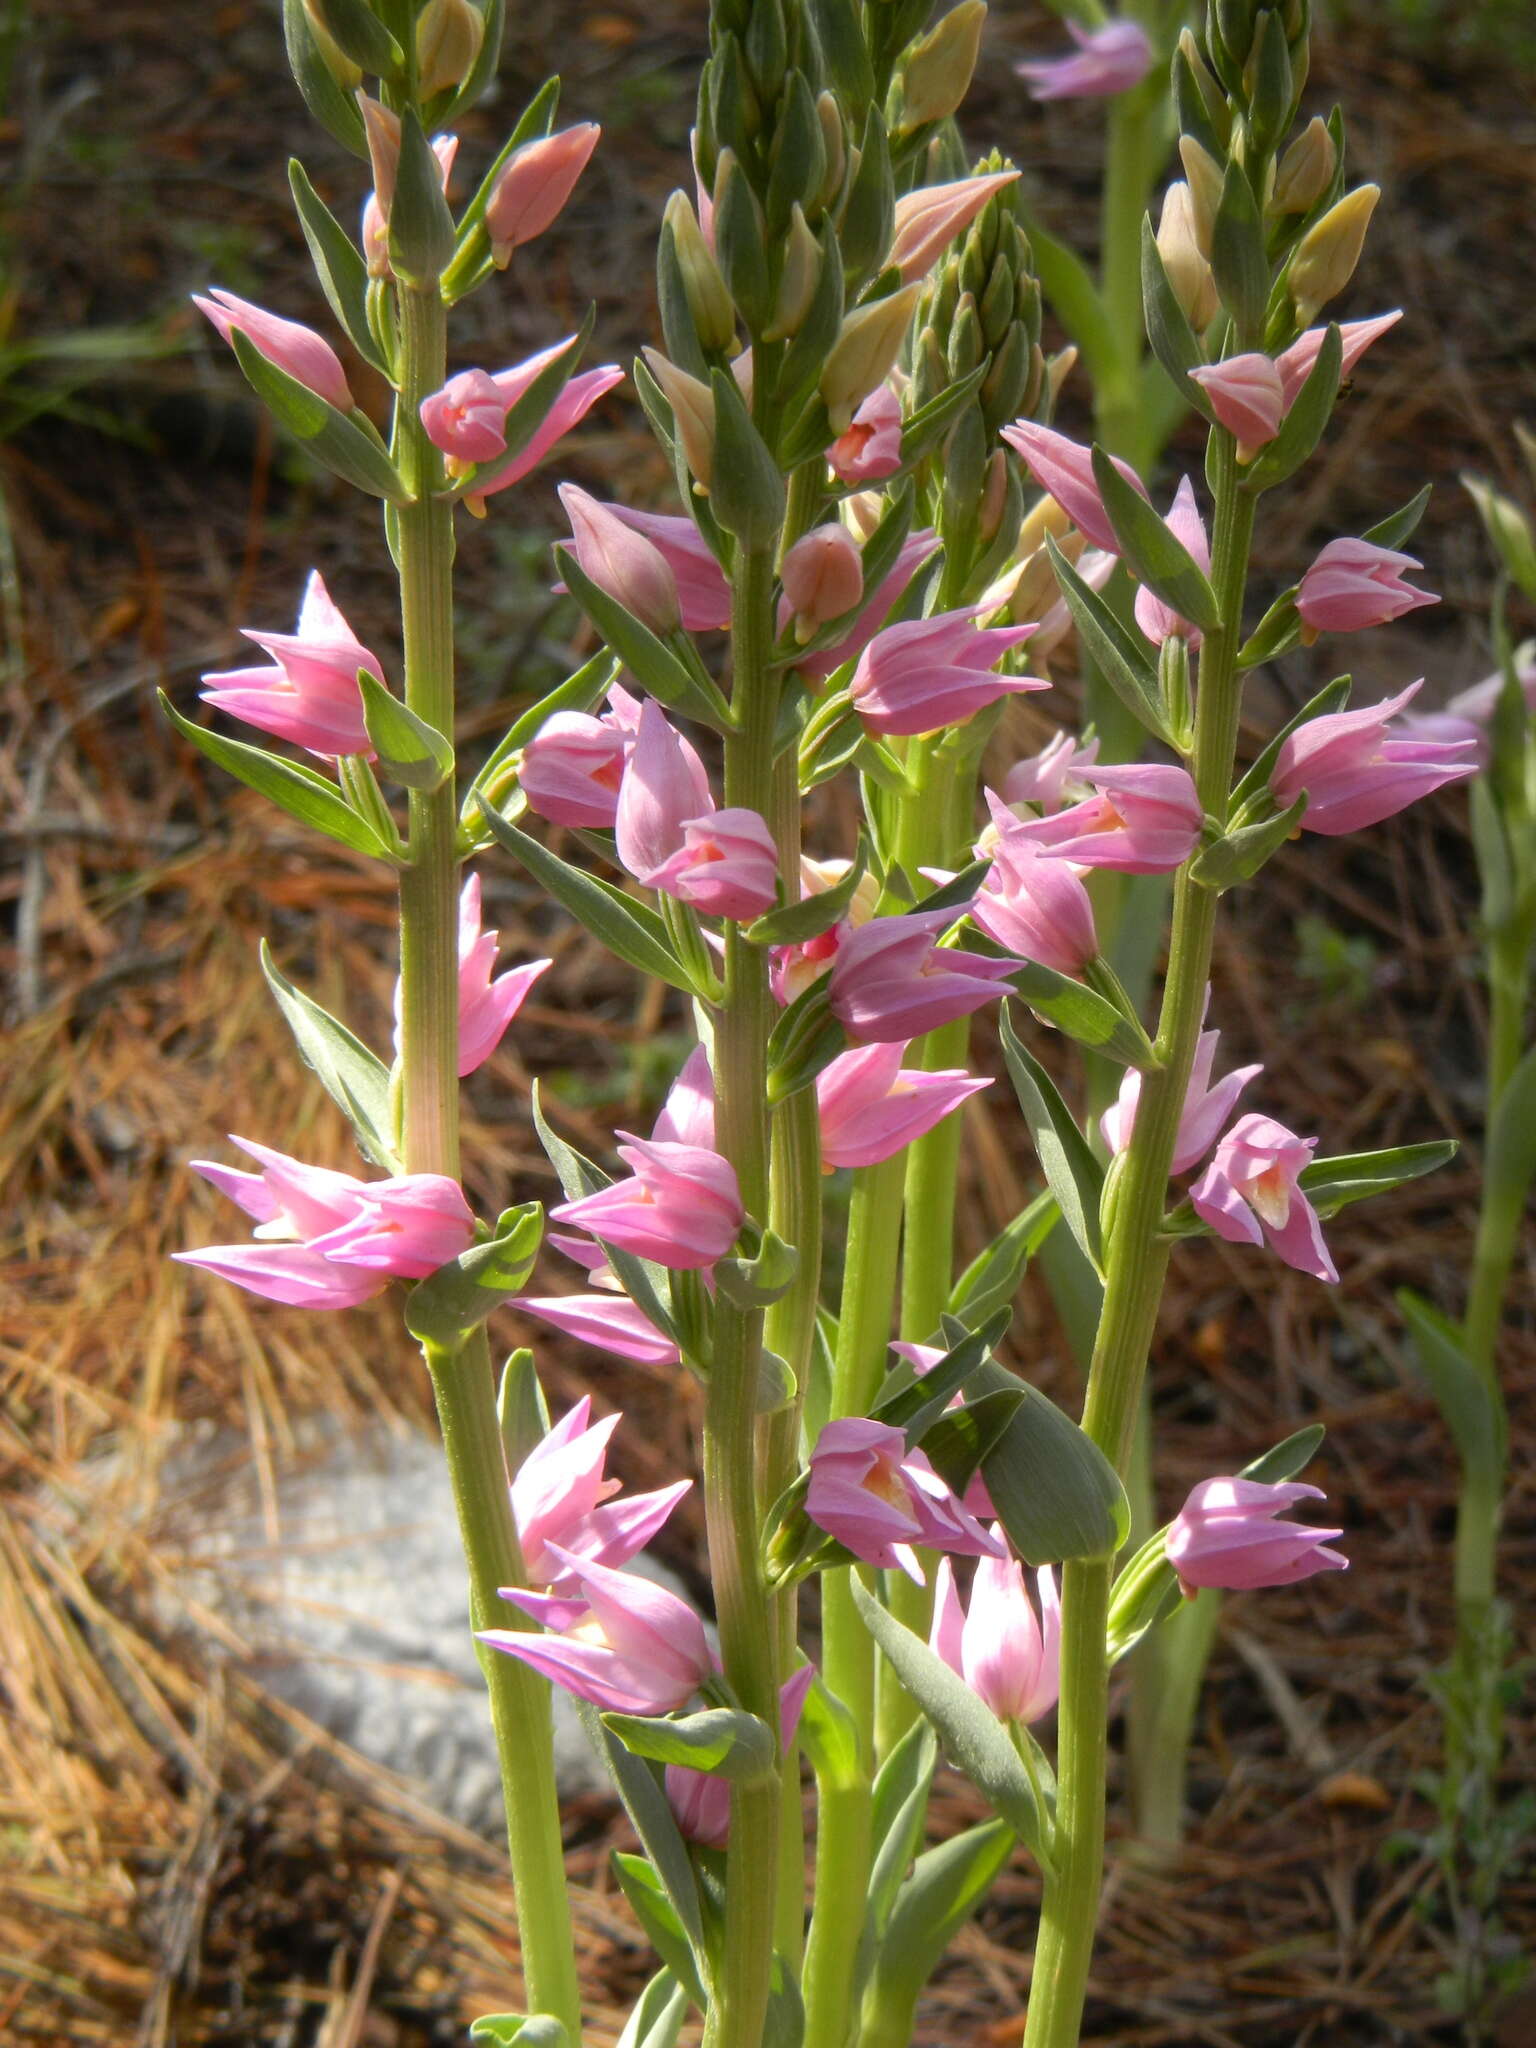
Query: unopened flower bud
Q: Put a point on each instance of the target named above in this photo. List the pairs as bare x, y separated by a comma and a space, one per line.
823, 577
797, 280
863, 512
865, 353
621, 561
1306, 170
348, 76
1189, 275
381, 127
448, 38
693, 413
709, 302
1204, 188
537, 181
1058, 368
830, 116
994, 497
1326, 256
937, 74
1509, 530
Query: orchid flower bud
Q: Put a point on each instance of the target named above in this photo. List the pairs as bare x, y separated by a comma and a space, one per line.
448, 38
864, 353
923, 674
823, 577
1328, 252
681, 1205
381, 131
532, 191
1159, 621
938, 70
1508, 529
928, 220
347, 74
1065, 469
1189, 274
1354, 584
1205, 181
1306, 170
297, 350
1247, 396
829, 118
693, 413
621, 561
1226, 1534
709, 300
797, 280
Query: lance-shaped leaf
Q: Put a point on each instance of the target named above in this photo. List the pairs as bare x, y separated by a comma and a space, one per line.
657, 2019
844, 49
421, 232
1275, 634
1238, 259
746, 492
1152, 551
649, 660
958, 1443
338, 264
1055, 1492
1302, 427
784, 2021
829, 1736
1509, 1160
957, 892
806, 1038
334, 109
972, 1736
457, 1298
358, 33
925, 428
1074, 1176
1174, 342
653, 1908
648, 1286
628, 929
1286, 1459
994, 1276
1473, 1412
946, 1885
1332, 697
1239, 854
1068, 283
898, 1810
1332, 1184
410, 751
1400, 526
298, 790
356, 1079
537, 2030
793, 923
722, 1740
345, 448
913, 1402
1083, 1014
1120, 655
522, 1413
640, 1788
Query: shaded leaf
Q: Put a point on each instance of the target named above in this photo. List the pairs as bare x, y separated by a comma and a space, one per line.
731, 1744
355, 1078
1075, 1177
1152, 551
1119, 655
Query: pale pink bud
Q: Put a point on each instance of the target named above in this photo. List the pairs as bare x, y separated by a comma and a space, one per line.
467, 418
703, 589
1160, 621
869, 447
688, 1115
309, 694
637, 1649
1107, 60
534, 187
1064, 468
681, 1207
1354, 584
1053, 776
1226, 1534
573, 766
1206, 1108
878, 1499
823, 576
621, 561
1145, 820
1011, 1661
1251, 1191
1247, 397
664, 786
923, 674
1034, 904
871, 1106
914, 551
1295, 363
928, 220
727, 865
890, 979
1355, 773
561, 1495
305, 356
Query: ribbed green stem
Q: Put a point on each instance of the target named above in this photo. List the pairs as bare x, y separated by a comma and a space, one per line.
1135, 148
732, 1513
1136, 1263
429, 1043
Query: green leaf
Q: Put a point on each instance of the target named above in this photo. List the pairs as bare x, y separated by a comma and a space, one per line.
1275, 634
993, 1277
1119, 655
1332, 1184
844, 49
538, 2030
762, 1276
746, 492
1288, 1458
1174, 342
338, 264
1238, 259
653, 664
648, 1286
1238, 856
1302, 427
1470, 1406
1332, 697
946, 1886
1152, 551
784, 2021
805, 1038
334, 440
898, 1809
630, 930
657, 2019
957, 1444
645, 1802
653, 1908
913, 1401
471, 88
292, 787
533, 405
1509, 1160
521, 1412
421, 231
1083, 1014
410, 751
1399, 526
793, 923
457, 1298
356, 1079
472, 259
1055, 1492
972, 1736
830, 1738
926, 427
333, 108
732, 1745
1075, 1177
359, 34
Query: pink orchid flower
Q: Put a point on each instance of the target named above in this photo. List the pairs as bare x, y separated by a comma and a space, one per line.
913, 552
1355, 773
573, 767
486, 1006
869, 447
1295, 363
1052, 777
608, 1322
923, 674
1226, 1534
307, 357
878, 1499
1206, 1108
890, 979
1251, 1191
1034, 903
727, 865
928, 220
823, 576
871, 1106
1145, 820
620, 560
681, 1206
664, 786
1108, 60
1011, 1661
576, 399
1064, 469
309, 695
1160, 621
1247, 397
532, 190
703, 589
1353, 584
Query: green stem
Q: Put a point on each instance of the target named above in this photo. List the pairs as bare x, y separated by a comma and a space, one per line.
1136, 145
1136, 1262
739, 2004
462, 1383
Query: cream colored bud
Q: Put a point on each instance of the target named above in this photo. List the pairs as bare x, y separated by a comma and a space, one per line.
1058, 368
448, 38
693, 413
818, 876
863, 512
348, 76
1326, 256
994, 497
938, 71
1306, 170
1044, 517
1509, 530
1189, 274
709, 301
797, 281
865, 353
1205, 183
830, 115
